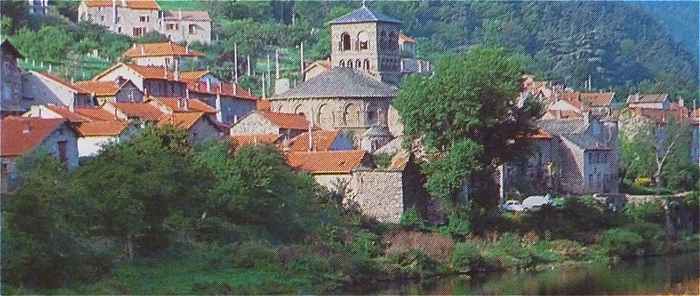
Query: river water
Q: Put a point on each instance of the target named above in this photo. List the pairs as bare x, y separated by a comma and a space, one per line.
678, 274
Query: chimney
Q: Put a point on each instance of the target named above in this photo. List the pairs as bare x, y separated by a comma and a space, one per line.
208, 85
587, 116
219, 111
143, 51
235, 118
187, 93
681, 102
27, 126
235, 89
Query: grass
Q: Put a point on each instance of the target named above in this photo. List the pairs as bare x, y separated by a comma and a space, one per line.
182, 4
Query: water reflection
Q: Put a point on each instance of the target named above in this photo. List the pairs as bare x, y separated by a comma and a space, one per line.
660, 275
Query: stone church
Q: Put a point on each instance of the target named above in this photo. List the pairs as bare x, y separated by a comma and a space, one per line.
356, 93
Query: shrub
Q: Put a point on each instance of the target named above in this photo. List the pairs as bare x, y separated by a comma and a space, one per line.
465, 256
642, 181
415, 263
411, 219
651, 212
458, 225
621, 242
568, 249
255, 254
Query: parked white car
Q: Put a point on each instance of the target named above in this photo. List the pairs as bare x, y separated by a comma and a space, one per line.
535, 202
513, 206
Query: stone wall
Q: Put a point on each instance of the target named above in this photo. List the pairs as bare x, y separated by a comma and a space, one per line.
42, 90
378, 194
254, 124
202, 131
336, 113
11, 92
127, 19
129, 93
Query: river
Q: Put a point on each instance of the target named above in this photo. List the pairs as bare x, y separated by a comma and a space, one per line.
678, 274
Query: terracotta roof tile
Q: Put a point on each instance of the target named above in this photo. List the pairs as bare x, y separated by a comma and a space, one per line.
338, 162
67, 114
143, 111
286, 120
20, 135
193, 105
250, 139
226, 89
181, 120
100, 128
95, 113
193, 75
160, 49
597, 99
152, 72
99, 88
133, 4
263, 105
323, 139
647, 98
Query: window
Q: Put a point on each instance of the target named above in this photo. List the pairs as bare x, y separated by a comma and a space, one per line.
590, 179
102, 18
358, 64
345, 41
139, 31
342, 63
172, 27
119, 29
62, 151
143, 18
192, 29
363, 40
366, 64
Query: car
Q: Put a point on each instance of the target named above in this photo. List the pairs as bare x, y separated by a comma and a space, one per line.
512, 206
535, 202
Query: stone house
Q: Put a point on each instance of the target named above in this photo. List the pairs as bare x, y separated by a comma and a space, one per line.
11, 94
151, 80
230, 100
187, 26
45, 88
649, 101
537, 172
134, 18
199, 126
121, 90
586, 151
95, 126
330, 168
163, 54
286, 125
21, 135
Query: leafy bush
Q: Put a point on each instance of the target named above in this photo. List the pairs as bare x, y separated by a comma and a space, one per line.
458, 225
411, 219
568, 249
465, 256
650, 212
621, 242
255, 254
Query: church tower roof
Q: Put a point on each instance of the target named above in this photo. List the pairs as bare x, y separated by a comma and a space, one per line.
364, 15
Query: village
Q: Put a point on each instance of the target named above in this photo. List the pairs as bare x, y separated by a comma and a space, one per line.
337, 124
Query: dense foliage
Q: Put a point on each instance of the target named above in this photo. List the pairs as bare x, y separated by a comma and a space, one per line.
468, 117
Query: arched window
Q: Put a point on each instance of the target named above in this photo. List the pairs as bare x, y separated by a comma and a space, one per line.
351, 115
358, 64
366, 66
342, 63
363, 40
345, 41
325, 117
299, 109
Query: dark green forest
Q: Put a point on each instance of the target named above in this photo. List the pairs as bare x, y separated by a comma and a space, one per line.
624, 46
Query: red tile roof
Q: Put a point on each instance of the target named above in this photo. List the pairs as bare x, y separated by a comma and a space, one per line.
263, 105
99, 88
597, 99
193, 75
95, 113
329, 162
225, 89
181, 120
323, 139
152, 72
540, 134
133, 4
159, 50
193, 105
100, 128
658, 115
251, 139
143, 111
67, 114
286, 120
20, 135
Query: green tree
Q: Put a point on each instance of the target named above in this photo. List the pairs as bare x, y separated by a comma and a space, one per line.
468, 117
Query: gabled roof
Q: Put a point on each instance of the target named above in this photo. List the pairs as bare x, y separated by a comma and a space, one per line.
364, 15
563, 126
325, 64
20, 135
328, 162
160, 49
252, 139
586, 142
184, 120
286, 120
191, 15
143, 111
100, 88
322, 139
405, 38
340, 83
133, 4
67, 114
647, 98
95, 114
193, 75
225, 89
597, 99
100, 128
7, 46
175, 104
146, 72
62, 82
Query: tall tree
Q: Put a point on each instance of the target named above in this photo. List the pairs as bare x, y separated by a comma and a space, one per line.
469, 119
